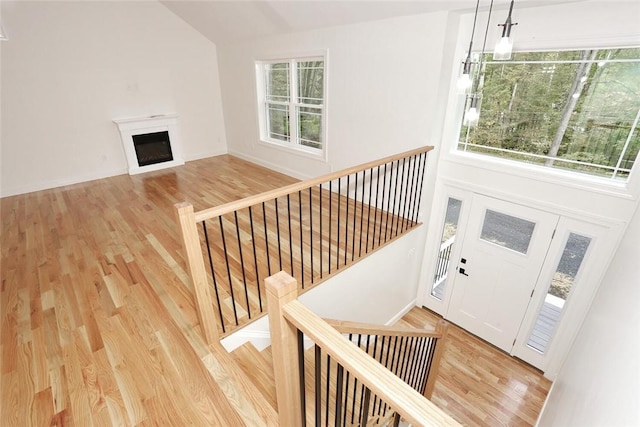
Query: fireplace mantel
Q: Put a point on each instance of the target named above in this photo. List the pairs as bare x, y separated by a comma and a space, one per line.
129, 127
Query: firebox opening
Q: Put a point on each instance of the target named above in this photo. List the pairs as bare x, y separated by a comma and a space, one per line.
152, 148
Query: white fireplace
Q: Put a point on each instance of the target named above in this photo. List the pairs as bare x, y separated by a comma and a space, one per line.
151, 143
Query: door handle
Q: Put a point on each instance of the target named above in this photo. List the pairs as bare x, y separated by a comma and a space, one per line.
462, 271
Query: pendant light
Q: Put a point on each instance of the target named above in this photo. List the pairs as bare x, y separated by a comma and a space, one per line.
504, 47
464, 81
472, 115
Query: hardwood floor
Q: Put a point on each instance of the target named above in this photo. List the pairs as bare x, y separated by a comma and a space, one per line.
98, 325
478, 384
93, 286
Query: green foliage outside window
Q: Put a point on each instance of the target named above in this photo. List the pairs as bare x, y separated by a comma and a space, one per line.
574, 110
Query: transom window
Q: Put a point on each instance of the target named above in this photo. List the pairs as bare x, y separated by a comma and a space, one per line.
291, 97
575, 110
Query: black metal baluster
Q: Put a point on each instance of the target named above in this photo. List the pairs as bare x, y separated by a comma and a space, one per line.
355, 207
311, 233
395, 198
255, 259
321, 235
412, 191
318, 381
215, 283
301, 376
346, 394
301, 241
386, 225
244, 277
363, 386
338, 232
366, 250
390, 367
266, 238
402, 198
417, 373
432, 351
278, 233
290, 234
226, 259
355, 386
384, 186
424, 371
346, 224
375, 211
338, 421
327, 395
423, 167
406, 358
364, 176
330, 221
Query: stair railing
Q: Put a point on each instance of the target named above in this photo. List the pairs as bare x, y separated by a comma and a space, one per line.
312, 229
377, 394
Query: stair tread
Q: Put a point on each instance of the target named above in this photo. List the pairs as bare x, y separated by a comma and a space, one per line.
258, 370
251, 404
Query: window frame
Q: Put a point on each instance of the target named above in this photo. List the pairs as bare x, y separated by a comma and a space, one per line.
293, 145
629, 189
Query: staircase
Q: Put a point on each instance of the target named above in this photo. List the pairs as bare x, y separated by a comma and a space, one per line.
257, 368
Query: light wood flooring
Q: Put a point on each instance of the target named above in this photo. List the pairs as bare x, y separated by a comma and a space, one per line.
98, 325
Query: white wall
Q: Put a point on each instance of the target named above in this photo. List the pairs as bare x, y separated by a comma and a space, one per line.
69, 68
599, 384
382, 78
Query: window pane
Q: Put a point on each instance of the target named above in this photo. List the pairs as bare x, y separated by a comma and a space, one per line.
507, 231
543, 108
278, 121
310, 82
559, 289
310, 126
447, 241
277, 82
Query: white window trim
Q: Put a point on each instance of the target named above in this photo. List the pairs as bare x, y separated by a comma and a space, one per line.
629, 189
294, 148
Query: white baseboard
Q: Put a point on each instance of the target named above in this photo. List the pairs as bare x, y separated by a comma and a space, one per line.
269, 165
61, 182
402, 312
206, 155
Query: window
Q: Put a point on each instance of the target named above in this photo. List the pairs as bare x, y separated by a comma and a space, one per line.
574, 110
291, 98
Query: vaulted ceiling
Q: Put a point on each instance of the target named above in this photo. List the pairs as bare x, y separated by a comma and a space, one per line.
225, 21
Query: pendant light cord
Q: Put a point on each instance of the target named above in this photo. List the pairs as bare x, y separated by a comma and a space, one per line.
484, 45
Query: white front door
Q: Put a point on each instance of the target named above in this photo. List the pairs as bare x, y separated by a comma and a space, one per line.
503, 251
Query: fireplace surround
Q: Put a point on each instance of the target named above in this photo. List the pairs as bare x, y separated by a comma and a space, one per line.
150, 143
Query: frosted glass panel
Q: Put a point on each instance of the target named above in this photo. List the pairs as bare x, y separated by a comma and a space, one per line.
507, 231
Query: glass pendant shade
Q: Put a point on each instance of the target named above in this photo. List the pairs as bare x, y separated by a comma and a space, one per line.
503, 49
464, 83
472, 115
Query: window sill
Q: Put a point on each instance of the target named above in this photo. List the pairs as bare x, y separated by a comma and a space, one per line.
542, 173
300, 150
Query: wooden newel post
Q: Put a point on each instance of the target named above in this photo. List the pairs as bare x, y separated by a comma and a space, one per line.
442, 327
195, 264
281, 289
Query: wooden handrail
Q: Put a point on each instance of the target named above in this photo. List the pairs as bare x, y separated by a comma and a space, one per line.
216, 211
345, 327
382, 382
